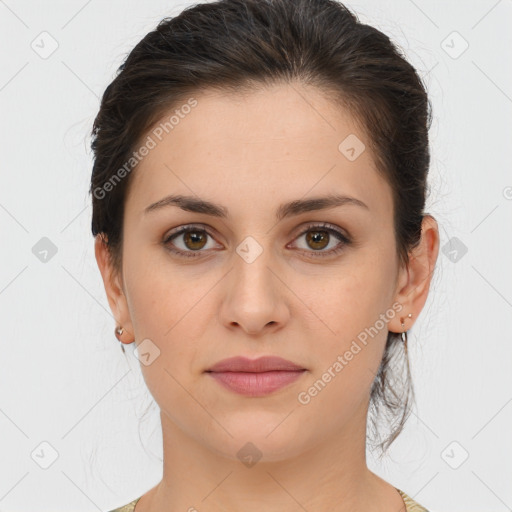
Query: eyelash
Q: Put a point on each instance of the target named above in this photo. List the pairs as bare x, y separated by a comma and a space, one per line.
315, 254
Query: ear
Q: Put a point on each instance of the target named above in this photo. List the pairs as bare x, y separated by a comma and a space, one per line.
414, 280
112, 282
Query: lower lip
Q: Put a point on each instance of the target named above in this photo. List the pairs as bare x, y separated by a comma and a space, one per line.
256, 383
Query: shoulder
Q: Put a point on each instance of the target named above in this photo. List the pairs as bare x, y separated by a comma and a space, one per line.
127, 508
410, 504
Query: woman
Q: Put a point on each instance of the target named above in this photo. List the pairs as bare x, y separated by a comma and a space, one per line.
258, 190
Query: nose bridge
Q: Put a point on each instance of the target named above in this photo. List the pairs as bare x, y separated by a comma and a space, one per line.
253, 300
251, 273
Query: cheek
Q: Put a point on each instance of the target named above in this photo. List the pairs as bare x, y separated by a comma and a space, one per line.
348, 300
348, 359
157, 293
166, 305
165, 310
351, 309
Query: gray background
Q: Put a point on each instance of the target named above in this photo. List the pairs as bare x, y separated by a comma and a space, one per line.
69, 400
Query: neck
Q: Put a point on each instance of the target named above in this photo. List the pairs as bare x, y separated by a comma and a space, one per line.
331, 476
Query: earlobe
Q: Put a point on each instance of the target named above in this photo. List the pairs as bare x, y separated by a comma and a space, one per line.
415, 280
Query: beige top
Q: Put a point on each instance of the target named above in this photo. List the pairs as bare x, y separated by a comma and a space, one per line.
410, 504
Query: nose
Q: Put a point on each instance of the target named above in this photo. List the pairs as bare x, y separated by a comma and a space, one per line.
254, 297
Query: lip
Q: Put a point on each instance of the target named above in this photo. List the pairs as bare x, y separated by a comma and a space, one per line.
261, 364
255, 377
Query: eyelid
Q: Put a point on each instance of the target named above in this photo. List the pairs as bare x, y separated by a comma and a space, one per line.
187, 227
319, 225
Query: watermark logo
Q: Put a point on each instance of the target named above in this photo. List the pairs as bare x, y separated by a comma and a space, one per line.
44, 250
352, 147
249, 249
249, 454
44, 45
454, 45
454, 455
146, 352
44, 455
454, 249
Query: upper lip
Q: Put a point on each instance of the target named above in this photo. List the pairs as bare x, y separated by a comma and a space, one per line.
262, 364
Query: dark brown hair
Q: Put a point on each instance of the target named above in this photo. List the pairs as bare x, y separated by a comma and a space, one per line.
235, 45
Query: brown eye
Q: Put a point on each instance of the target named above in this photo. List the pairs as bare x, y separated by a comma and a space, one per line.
195, 240
318, 239
188, 241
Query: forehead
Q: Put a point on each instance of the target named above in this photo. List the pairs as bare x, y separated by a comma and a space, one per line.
267, 144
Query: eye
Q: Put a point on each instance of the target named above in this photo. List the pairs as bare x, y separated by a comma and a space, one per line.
195, 238
319, 236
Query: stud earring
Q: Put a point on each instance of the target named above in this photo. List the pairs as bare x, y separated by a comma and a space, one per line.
118, 332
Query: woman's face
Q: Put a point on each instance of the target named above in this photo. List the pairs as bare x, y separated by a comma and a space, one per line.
313, 285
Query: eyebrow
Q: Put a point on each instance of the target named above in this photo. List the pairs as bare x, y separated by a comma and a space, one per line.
290, 209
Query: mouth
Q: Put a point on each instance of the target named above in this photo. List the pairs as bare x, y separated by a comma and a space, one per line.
255, 377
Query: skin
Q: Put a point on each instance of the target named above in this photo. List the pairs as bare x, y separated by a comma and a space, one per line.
250, 153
